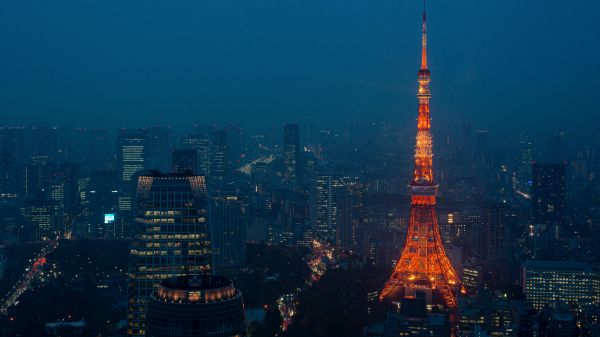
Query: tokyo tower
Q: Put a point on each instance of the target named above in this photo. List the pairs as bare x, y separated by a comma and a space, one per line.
423, 266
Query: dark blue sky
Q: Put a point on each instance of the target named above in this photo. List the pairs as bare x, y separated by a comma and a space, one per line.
134, 63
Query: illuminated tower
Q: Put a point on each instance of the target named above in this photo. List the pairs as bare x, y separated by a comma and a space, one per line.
423, 265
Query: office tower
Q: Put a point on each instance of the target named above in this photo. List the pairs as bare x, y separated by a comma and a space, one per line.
481, 146
524, 319
348, 195
171, 237
523, 174
291, 152
487, 237
101, 153
131, 145
219, 157
200, 143
103, 206
12, 141
64, 192
45, 143
570, 281
158, 149
498, 316
38, 217
185, 160
8, 174
555, 152
471, 277
228, 229
548, 198
323, 206
423, 264
35, 180
200, 305
557, 320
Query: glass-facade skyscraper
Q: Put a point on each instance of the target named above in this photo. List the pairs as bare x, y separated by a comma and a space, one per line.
171, 237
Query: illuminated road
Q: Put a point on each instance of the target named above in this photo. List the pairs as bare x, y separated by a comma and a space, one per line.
321, 254
30, 273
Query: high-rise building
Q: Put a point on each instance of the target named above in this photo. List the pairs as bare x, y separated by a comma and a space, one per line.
45, 143
12, 141
219, 157
348, 206
524, 319
555, 152
103, 205
191, 306
38, 216
423, 265
548, 198
158, 151
481, 146
200, 143
131, 153
171, 237
64, 192
557, 320
323, 206
228, 232
185, 160
471, 277
522, 181
570, 281
291, 151
487, 237
100, 154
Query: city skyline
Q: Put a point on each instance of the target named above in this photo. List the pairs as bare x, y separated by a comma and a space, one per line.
289, 167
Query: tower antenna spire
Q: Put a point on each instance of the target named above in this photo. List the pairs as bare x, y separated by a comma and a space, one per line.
424, 38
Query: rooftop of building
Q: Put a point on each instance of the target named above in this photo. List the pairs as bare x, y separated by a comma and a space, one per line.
558, 265
160, 174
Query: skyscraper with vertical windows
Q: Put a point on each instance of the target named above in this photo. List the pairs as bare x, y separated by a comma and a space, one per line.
158, 149
171, 237
291, 152
487, 235
548, 197
38, 216
228, 232
12, 141
201, 143
131, 153
45, 143
522, 181
323, 206
219, 157
185, 160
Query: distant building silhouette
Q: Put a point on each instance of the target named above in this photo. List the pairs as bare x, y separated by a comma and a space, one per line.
291, 152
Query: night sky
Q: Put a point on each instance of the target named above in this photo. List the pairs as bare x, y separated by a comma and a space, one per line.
499, 64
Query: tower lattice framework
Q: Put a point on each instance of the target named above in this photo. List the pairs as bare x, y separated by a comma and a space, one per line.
424, 263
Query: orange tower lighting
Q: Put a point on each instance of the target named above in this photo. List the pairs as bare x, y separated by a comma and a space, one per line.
423, 264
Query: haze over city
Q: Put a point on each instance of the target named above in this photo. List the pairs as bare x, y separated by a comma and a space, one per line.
504, 65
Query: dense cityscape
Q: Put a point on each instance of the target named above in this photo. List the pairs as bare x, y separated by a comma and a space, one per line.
301, 229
